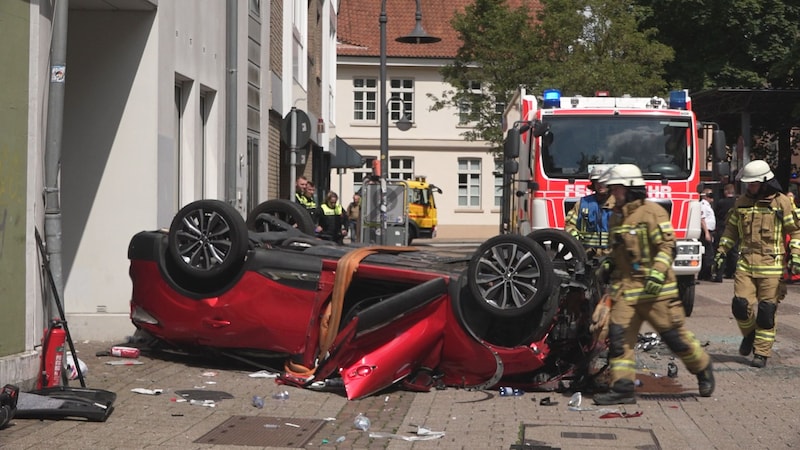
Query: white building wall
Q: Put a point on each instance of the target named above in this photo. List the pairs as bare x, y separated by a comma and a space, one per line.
434, 142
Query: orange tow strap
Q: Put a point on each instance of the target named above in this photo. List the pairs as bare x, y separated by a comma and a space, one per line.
329, 324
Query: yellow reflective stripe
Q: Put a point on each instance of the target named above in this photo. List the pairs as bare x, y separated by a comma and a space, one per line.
669, 290
622, 365
747, 323
773, 270
765, 335
665, 259
726, 243
794, 243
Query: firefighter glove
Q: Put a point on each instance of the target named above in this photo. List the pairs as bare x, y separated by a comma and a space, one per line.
603, 272
794, 265
719, 260
654, 282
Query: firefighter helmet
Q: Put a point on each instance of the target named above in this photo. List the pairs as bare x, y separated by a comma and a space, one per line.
624, 175
757, 170
596, 173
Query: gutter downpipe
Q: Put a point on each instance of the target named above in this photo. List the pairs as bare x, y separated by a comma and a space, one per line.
52, 151
231, 61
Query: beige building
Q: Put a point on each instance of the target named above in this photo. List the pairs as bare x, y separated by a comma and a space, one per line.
469, 205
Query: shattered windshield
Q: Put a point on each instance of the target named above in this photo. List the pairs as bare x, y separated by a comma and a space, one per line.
661, 147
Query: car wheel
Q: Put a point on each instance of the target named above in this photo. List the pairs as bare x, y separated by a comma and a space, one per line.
287, 211
510, 275
207, 238
562, 248
686, 293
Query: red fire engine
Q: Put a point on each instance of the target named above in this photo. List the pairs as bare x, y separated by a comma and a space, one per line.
551, 150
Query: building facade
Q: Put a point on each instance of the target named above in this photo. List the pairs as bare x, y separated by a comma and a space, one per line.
164, 102
469, 206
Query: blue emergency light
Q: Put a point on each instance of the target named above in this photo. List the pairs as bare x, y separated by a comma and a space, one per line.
552, 98
677, 99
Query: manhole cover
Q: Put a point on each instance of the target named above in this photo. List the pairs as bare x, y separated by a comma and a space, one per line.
263, 431
571, 436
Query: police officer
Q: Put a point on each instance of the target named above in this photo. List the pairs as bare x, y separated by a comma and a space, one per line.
758, 223
332, 220
643, 287
587, 221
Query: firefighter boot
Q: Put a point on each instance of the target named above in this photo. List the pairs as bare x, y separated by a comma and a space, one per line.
705, 381
746, 347
621, 393
759, 361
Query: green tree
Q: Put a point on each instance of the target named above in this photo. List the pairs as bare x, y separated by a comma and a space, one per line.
493, 61
599, 45
579, 46
729, 43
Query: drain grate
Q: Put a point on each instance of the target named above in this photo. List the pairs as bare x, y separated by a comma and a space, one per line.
263, 431
596, 437
672, 397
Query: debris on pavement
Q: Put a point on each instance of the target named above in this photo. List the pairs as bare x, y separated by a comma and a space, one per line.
147, 391
423, 434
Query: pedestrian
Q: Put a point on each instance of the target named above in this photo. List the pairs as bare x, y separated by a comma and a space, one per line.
759, 222
300, 190
708, 225
354, 218
721, 211
644, 287
332, 220
304, 195
587, 221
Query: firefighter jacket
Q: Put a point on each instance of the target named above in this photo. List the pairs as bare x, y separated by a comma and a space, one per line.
588, 221
759, 226
642, 240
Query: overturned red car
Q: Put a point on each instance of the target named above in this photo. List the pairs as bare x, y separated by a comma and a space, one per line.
517, 311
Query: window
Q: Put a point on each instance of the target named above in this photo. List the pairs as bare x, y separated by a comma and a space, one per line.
498, 183
401, 99
469, 183
299, 37
465, 105
401, 168
365, 94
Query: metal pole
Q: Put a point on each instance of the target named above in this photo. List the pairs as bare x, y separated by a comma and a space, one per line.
231, 105
52, 152
292, 152
384, 142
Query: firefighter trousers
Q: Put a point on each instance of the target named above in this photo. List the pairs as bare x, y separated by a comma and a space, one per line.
756, 291
667, 318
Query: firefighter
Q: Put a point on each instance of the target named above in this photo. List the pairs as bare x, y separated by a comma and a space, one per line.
643, 287
758, 223
588, 219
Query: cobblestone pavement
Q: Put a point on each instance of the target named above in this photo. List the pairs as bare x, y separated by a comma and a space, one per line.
751, 408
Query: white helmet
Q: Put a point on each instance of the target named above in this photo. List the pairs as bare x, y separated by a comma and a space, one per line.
596, 173
757, 170
623, 174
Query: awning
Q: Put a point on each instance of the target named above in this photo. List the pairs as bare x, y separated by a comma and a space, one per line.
345, 156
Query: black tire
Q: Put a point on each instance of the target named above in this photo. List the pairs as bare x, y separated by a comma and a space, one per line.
686, 286
207, 239
564, 250
289, 212
510, 275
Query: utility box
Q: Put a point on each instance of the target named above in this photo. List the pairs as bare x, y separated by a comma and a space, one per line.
396, 221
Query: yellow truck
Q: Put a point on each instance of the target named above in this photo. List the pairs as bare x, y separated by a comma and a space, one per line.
422, 218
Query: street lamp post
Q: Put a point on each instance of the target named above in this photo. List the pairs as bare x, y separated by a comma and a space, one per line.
417, 36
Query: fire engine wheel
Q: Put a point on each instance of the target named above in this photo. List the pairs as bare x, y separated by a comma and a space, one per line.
511, 275
562, 248
286, 211
207, 239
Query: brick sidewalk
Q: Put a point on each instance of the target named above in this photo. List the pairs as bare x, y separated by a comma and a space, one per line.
751, 408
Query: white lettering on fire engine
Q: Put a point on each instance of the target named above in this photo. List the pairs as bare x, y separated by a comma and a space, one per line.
653, 191
659, 191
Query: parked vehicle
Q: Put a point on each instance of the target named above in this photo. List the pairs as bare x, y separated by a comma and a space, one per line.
518, 310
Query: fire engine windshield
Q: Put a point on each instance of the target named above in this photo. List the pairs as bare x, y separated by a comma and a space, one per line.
661, 147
